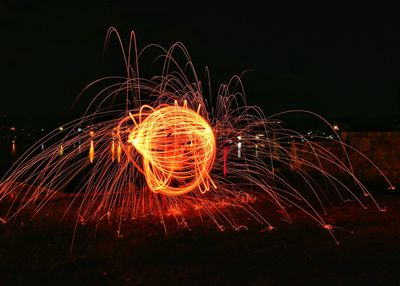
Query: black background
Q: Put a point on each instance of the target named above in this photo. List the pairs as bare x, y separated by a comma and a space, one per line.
342, 65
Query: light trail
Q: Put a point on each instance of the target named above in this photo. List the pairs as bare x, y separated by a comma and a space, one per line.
165, 146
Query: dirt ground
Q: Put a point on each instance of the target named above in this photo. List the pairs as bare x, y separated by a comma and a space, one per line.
37, 251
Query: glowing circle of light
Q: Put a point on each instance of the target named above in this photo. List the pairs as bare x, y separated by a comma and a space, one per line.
178, 149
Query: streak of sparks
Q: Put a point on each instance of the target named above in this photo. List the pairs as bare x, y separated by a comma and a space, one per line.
173, 149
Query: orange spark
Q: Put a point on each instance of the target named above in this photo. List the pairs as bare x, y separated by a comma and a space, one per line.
14, 149
91, 152
112, 151
119, 152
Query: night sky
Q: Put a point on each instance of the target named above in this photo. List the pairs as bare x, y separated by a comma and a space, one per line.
338, 65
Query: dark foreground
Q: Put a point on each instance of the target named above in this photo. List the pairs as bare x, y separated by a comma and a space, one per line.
37, 252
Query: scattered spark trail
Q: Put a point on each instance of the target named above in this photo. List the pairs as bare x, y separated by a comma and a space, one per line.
164, 146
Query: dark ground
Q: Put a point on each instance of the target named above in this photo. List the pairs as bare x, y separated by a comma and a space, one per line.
36, 251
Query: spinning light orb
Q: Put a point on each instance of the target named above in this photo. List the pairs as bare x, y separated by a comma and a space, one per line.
178, 150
